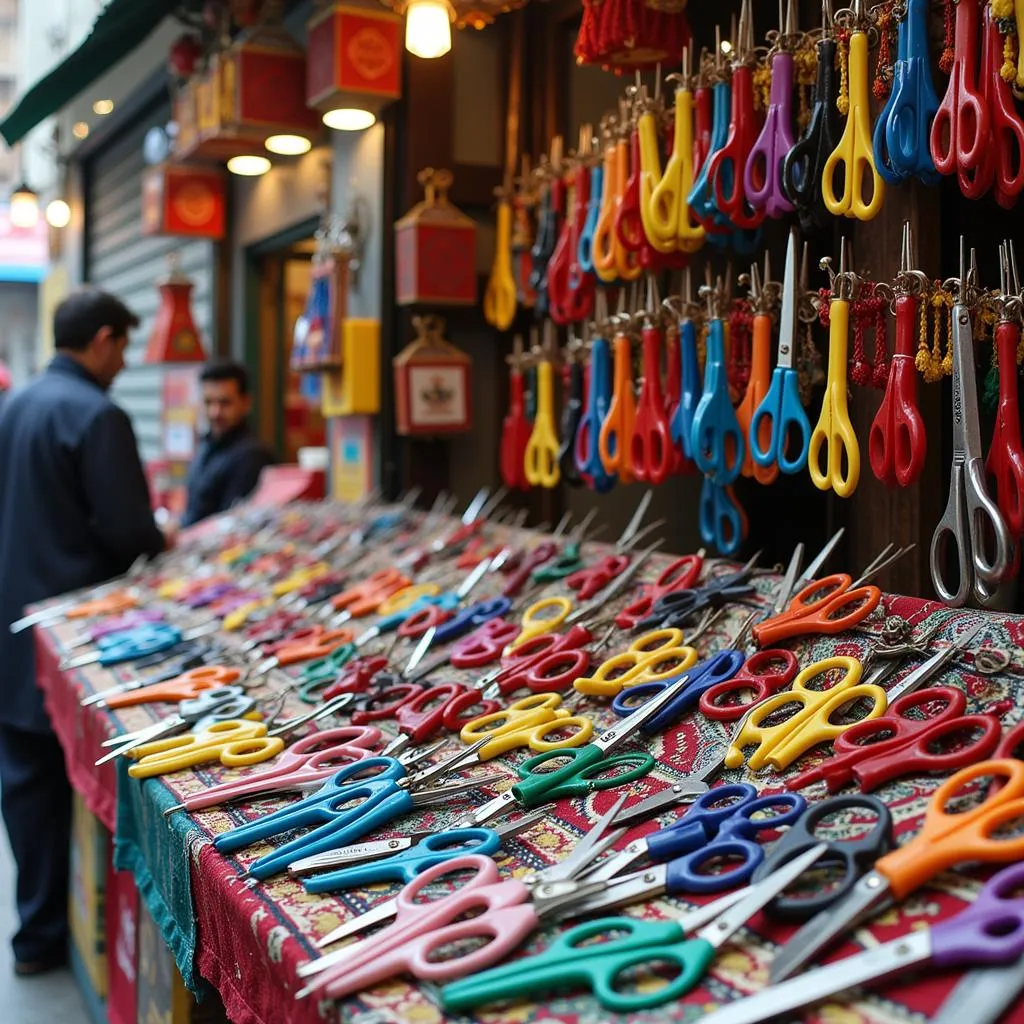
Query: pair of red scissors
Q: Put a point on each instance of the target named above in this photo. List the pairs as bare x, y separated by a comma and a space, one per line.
897, 443
682, 574
762, 674
651, 450
516, 428
422, 712
533, 559
1006, 144
570, 292
357, 676
548, 663
878, 750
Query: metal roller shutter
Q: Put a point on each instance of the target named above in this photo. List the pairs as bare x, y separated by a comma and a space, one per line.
123, 261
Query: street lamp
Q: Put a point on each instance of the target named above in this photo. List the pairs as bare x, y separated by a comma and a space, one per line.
24, 211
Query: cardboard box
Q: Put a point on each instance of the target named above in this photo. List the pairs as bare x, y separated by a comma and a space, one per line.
90, 855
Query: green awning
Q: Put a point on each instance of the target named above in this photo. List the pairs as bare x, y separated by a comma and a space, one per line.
121, 27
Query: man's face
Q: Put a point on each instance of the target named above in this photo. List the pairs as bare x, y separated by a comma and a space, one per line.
225, 405
110, 349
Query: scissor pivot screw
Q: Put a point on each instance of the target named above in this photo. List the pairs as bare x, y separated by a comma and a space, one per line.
874, 882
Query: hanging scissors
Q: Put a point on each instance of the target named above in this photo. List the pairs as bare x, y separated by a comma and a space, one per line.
834, 431
726, 166
516, 429
762, 173
1007, 141
946, 839
691, 384
572, 411
500, 295
599, 397
723, 523
650, 454
682, 574
718, 444
571, 292
854, 156
615, 440
779, 424
701, 198
585, 252
970, 505
1005, 462
897, 443
616, 170
541, 466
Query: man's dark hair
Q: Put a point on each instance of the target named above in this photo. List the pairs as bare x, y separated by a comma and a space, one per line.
84, 313
227, 369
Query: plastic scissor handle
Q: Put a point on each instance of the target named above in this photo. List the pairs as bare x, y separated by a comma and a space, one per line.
572, 416
718, 442
1005, 462
515, 436
723, 523
585, 252
762, 172
588, 435
615, 439
1007, 128
651, 444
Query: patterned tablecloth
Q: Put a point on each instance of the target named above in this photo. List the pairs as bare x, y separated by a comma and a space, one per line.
249, 942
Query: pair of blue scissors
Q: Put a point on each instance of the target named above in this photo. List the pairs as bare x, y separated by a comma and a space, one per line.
469, 619
585, 251
722, 521
586, 447
903, 129
701, 199
141, 642
719, 668
691, 386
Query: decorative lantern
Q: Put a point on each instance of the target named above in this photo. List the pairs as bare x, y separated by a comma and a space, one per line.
354, 61
435, 249
432, 386
174, 338
182, 200
631, 35
252, 90
318, 340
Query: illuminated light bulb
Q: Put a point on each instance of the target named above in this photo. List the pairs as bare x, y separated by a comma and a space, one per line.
249, 166
103, 107
726, 47
58, 214
80, 130
349, 119
24, 210
428, 28
288, 145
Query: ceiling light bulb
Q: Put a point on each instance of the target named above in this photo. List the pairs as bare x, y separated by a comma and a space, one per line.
24, 208
249, 166
80, 130
726, 46
349, 119
58, 214
288, 145
103, 107
428, 28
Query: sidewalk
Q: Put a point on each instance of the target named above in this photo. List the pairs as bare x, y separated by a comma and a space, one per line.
43, 1000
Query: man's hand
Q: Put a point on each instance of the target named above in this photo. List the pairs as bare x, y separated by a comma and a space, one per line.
170, 530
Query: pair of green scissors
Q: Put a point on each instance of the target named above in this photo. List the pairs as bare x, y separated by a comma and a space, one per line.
318, 675
569, 559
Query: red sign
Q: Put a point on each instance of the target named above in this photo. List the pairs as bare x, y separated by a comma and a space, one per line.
179, 200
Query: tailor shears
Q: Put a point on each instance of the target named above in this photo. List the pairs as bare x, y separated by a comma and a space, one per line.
572, 961
358, 798
901, 143
989, 931
762, 172
526, 723
803, 166
970, 512
897, 443
542, 449
834, 431
718, 443
511, 910
140, 642
778, 424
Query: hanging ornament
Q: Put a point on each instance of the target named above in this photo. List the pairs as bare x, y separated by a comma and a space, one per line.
631, 35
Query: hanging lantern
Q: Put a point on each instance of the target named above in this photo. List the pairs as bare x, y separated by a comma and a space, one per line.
435, 249
184, 56
632, 35
354, 63
432, 383
174, 338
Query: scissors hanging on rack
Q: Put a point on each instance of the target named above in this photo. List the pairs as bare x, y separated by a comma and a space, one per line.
598, 399
541, 466
1006, 151
970, 506
615, 440
691, 385
897, 443
516, 428
650, 453
861, 190
574, 379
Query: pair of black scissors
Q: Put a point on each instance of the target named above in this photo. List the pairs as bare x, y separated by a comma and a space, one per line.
804, 165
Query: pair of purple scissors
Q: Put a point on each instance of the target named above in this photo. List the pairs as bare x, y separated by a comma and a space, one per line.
117, 623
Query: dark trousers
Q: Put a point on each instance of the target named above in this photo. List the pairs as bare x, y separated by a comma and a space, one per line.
35, 799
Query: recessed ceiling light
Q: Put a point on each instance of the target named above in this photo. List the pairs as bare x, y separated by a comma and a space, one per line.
80, 130
349, 119
288, 145
249, 166
103, 107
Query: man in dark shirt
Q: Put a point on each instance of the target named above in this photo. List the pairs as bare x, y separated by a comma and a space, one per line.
231, 457
74, 511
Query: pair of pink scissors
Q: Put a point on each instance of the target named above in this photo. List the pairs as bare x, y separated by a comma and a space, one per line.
302, 767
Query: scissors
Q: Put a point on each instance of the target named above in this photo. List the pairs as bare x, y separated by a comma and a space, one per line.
102, 604
533, 559
366, 597
315, 646
762, 172
357, 676
701, 199
690, 384
516, 428
323, 675
723, 523
182, 687
970, 506
725, 165
132, 644
422, 713
1007, 128
587, 770
651, 452
718, 443
549, 663
407, 616
682, 574
854, 156
117, 624
358, 798
464, 622
176, 753
569, 560
500, 294
763, 674
511, 910
1005, 461
571, 960
300, 768
655, 656
542, 617
897, 443
541, 466
945, 840
962, 125
585, 251
834, 431
572, 411
901, 136
779, 424
599, 396
803, 165
615, 439
526, 723
481, 647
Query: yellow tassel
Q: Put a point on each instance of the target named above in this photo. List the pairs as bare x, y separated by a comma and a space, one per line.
843, 102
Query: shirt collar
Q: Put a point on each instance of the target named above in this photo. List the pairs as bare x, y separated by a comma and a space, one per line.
64, 364
228, 439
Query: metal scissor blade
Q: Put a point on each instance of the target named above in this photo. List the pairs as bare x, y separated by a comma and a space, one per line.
685, 791
821, 558
927, 669
473, 579
378, 915
619, 733
790, 305
588, 849
788, 583
511, 829
418, 654
358, 853
983, 995
634, 523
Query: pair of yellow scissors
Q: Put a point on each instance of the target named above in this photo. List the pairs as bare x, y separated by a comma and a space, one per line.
541, 461
236, 742
235, 620
405, 598
500, 296
651, 658
854, 157
540, 618
813, 718
526, 723
834, 431
298, 579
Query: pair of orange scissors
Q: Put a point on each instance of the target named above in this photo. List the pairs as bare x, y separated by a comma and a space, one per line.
615, 442
365, 597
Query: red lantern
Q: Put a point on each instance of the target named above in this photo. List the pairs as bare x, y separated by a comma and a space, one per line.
184, 56
174, 338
